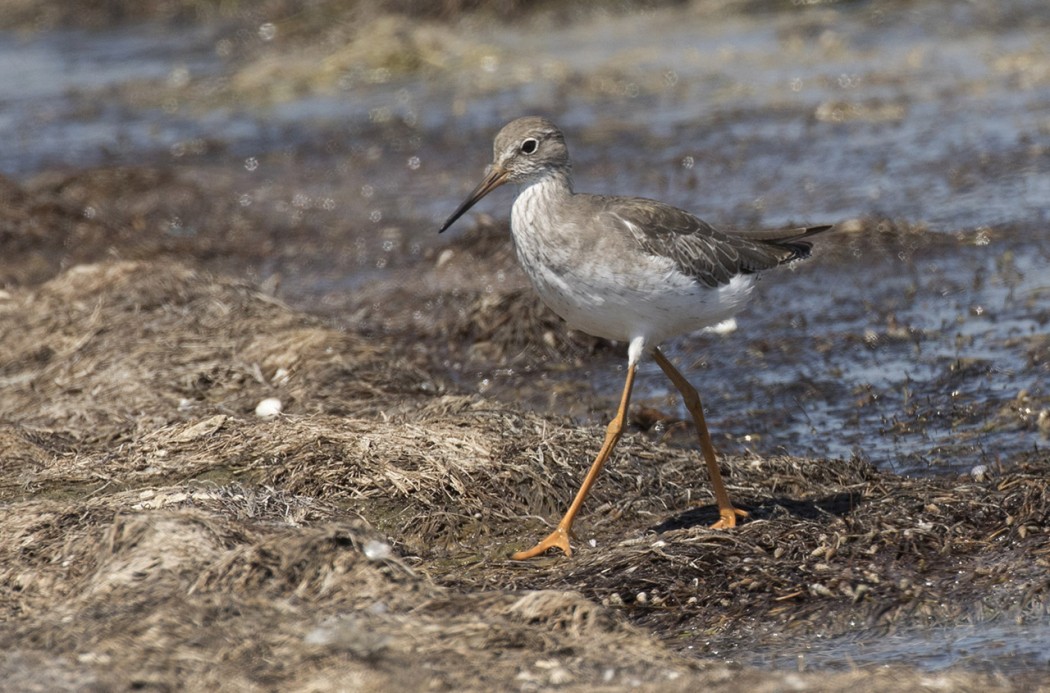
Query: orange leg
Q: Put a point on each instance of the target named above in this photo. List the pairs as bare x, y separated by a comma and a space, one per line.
692, 402
560, 536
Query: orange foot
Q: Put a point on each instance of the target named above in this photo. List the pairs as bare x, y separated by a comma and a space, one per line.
559, 538
728, 519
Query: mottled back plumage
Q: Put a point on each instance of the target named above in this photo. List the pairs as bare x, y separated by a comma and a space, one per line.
699, 250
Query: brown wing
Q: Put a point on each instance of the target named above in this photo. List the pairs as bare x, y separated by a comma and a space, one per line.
699, 250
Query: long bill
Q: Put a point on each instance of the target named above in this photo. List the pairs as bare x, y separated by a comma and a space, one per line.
494, 177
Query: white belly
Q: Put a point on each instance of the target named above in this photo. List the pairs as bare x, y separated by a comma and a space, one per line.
602, 283
626, 306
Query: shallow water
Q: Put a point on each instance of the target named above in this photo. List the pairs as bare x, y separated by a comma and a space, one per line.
914, 377
987, 647
55, 105
917, 355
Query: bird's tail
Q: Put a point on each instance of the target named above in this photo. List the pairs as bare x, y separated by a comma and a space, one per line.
792, 241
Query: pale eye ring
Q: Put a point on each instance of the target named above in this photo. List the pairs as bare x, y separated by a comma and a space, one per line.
530, 145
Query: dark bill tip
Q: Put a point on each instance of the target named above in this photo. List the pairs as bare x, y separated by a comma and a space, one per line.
494, 178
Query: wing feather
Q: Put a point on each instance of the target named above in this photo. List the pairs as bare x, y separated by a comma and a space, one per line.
699, 250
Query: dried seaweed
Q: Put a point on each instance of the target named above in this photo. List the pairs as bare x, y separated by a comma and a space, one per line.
156, 533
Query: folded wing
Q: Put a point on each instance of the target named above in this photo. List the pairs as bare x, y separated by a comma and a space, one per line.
699, 250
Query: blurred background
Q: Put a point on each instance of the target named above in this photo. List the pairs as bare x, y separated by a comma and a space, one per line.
315, 147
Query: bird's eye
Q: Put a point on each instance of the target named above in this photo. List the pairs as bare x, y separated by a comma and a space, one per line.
529, 146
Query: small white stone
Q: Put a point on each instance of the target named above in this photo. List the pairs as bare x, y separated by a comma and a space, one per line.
445, 257
377, 550
268, 408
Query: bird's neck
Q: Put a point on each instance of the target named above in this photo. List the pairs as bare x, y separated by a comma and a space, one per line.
552, 186
539, 204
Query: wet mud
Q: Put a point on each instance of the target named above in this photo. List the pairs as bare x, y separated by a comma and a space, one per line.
263, 227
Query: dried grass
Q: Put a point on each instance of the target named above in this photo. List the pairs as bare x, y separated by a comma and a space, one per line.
157, 534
